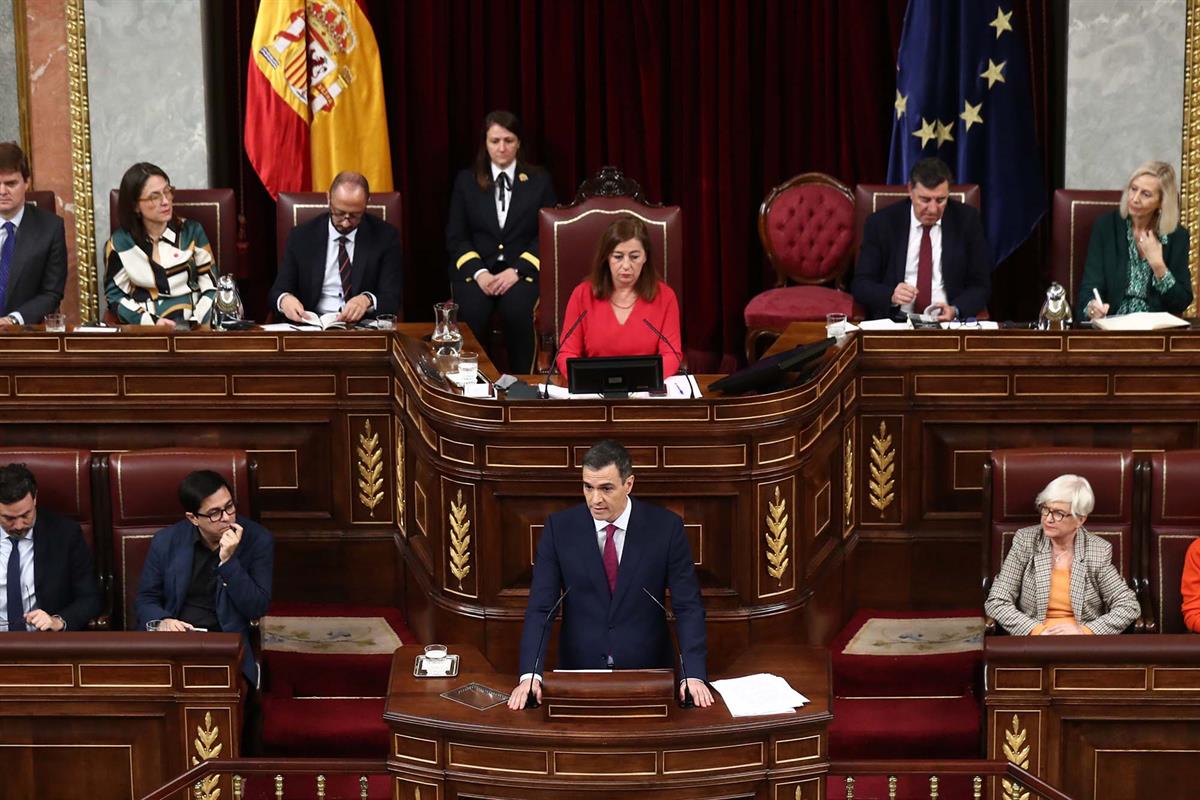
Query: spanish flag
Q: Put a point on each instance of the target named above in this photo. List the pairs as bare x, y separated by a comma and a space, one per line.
314, 96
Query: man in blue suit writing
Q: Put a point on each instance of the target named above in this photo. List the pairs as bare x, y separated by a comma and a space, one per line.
605, 552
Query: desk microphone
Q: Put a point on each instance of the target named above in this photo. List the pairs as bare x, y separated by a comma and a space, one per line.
687, 701
530, 700
682, 369
554, 356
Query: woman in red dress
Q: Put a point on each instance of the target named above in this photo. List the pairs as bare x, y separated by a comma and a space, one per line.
623, 298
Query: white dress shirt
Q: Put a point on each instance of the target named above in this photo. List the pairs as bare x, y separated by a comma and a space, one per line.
16, 221
937, 292
331, 300
622, 523
25, 550
501, 210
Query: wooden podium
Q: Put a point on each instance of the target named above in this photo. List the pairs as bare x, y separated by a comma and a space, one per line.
445, 749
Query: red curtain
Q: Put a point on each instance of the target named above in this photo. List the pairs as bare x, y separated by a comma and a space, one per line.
706, 103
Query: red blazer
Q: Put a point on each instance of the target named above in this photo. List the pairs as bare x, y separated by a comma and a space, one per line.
601, 335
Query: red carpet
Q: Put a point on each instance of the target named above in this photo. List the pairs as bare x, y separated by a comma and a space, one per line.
328, 704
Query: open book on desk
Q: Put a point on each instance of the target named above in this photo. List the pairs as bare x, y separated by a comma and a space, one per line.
1140, 321
325, 322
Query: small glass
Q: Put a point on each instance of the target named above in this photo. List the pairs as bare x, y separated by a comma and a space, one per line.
153, 624
468, 366
385, 322
56, 323
436, 652
835, 325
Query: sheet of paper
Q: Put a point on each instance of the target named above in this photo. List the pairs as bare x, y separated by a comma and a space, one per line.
95, 329
1141, 321
883, 325
759, 695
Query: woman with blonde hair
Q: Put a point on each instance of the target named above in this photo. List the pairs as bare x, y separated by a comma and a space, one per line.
1138, 256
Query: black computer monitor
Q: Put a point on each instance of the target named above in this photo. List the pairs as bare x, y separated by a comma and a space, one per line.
615, 375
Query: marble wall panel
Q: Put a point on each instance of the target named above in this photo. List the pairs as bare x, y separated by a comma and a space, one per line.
1125, 61
10, 122
146, 89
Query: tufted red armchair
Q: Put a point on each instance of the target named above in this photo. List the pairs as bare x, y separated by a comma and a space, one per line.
807, 230
1013, 478
1174, 523
1073, 213
144, 498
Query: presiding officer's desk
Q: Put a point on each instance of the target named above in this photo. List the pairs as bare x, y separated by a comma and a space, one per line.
115, 715
446, 749
1104, 717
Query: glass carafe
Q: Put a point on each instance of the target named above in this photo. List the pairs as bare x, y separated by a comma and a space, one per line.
447, 338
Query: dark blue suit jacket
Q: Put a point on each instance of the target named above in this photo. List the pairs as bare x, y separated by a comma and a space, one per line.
883, 254
64, 580
243, 582
626, 623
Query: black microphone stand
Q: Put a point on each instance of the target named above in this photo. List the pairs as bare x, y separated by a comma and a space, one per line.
682, 369
687, 701
530, 700
554, 356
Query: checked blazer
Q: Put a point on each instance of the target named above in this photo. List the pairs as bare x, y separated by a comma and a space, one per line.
1100, 598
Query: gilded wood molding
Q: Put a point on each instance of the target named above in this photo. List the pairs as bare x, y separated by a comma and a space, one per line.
1189, 187
777, 536
1016, 750
883, 469
370, 468
460, 539
81, 161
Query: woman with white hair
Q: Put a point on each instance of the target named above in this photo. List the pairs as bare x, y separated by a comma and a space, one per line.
1057, 578
1138, 257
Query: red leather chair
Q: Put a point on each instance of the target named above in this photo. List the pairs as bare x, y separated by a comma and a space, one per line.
805, 225
1173, 513
214, 209
567, 237
46, 201
296, 208
1012, 480
144, 498
1074, 211
64, 478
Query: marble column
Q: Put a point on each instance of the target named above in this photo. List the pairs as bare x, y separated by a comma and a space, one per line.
50, 122
10, 121
146, 91
1125, 69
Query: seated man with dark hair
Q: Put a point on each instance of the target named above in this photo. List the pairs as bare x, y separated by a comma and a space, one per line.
927, 251
47, 582
33, 247
211, 570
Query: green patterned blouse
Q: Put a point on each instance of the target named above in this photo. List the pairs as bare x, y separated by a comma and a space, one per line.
1141, 277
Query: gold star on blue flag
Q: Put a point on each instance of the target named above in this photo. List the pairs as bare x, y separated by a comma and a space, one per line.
968, 60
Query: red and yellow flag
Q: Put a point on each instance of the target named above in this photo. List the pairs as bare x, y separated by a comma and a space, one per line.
314, 96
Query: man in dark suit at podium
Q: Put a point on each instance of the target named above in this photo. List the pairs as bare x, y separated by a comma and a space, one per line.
606, 554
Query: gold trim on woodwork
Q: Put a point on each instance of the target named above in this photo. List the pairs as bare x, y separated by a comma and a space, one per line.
292, 381
847, 479
396, 737
295, 468
81, 161
827, 491
776, 536
467, 445
459, 550
369, 466
453, 763
1154, 687
116, 392
997, 713
70, 668
227, 685
761, 758
954, 471
779, 760
998, 688
141, 344
1107, 344
84, 685
938, 378
649, 711
566, 463
1189, 187
882, 483
165, 380
1120, 670
668, 449
554, 761
399, 469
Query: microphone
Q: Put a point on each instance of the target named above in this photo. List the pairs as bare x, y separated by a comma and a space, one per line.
554, 355
530, 700
682, 369
687, 701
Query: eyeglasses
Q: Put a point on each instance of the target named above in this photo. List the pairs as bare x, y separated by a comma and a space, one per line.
217, 514
1053, 513
157, 197
346, 215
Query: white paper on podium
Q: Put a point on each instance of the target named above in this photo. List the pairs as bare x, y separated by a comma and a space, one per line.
759, 695
679, 387
1140, 321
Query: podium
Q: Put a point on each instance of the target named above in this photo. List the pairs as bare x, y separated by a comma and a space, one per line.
448, 750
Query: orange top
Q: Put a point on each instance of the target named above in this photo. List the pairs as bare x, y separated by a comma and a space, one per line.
1190, 587
1059, 606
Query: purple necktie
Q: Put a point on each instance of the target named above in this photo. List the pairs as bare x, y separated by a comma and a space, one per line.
610, 558
6, 253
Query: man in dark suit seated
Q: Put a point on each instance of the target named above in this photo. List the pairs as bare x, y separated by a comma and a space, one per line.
47, 581
211, 570
605, 552
345, 261
33, 248
926, 251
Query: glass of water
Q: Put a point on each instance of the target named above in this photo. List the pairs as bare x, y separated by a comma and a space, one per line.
468, 366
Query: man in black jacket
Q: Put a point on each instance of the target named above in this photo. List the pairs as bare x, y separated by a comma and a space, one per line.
926, 251
345, 261
47, 582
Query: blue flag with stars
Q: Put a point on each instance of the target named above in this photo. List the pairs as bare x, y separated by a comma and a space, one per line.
963, 95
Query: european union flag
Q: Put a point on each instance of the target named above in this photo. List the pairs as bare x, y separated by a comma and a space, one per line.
963, 95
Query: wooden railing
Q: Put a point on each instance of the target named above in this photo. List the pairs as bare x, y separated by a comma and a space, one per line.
1015, 782
281, 769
